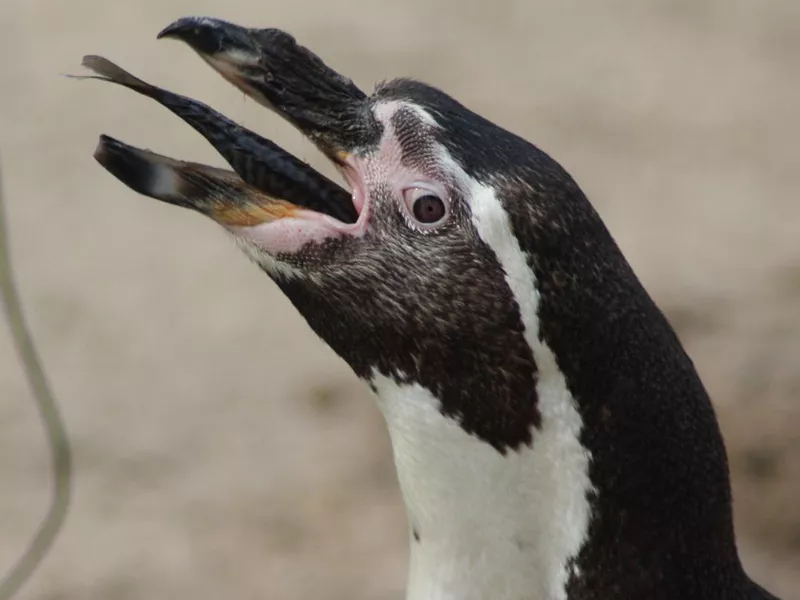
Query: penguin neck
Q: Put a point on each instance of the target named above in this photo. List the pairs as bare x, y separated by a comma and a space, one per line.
539, 523
662, 522
487, 524
623, 491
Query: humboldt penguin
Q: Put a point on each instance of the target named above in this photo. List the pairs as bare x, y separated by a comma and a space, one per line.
552, 438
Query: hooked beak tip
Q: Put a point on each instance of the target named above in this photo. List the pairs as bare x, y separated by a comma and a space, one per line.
207, 36
177, 29
201, 34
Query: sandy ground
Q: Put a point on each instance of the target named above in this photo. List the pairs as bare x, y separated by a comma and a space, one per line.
221, 449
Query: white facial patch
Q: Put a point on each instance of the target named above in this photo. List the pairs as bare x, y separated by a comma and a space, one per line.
494, 526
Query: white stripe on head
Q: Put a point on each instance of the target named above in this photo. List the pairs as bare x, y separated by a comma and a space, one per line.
559, 437
385, 110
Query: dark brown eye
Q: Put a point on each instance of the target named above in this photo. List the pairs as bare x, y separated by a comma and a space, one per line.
427, 207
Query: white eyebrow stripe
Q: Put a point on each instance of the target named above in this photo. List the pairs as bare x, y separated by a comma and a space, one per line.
385, 110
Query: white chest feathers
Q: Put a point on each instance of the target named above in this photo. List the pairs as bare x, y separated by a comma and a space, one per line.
490, 526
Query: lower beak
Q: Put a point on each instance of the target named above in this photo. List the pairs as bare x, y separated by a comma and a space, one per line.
216, 193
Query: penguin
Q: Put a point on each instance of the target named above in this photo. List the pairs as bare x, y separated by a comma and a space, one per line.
551, 436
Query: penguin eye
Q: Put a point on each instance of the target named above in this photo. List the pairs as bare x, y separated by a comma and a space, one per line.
427, 207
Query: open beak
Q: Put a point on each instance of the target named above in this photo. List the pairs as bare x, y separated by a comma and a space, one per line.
269, 66
258, 161
267, 183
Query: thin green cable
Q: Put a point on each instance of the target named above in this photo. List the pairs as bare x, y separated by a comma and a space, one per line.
51, 419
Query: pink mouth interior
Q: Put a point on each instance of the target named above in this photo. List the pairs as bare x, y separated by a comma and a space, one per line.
289, 235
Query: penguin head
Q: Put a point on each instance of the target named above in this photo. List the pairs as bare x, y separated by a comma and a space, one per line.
449, 213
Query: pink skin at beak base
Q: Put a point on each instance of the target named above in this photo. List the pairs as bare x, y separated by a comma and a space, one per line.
290, 234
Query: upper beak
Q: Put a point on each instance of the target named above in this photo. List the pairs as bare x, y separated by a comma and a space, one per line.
269, 66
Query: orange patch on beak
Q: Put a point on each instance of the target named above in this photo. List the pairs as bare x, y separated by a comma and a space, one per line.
251, 214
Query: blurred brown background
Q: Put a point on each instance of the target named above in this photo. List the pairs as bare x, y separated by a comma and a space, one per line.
221, 450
